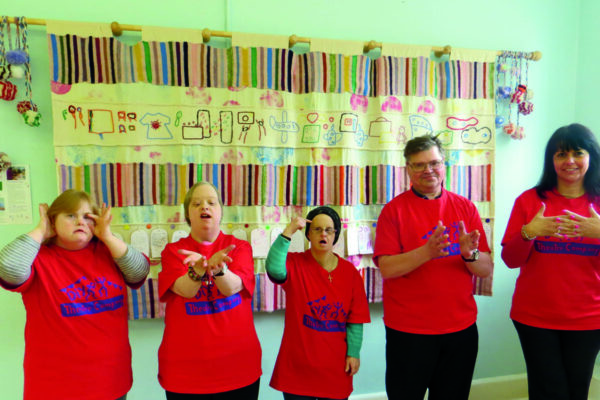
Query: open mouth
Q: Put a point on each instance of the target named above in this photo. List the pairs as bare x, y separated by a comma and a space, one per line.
205, 216
323, 241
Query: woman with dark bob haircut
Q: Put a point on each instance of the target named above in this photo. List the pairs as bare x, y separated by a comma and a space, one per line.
553, 236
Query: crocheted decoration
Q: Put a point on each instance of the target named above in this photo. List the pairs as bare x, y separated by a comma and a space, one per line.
14, 63
8, 90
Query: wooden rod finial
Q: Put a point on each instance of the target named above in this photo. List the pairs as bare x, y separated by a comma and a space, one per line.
293, 40
206, 34
116, 29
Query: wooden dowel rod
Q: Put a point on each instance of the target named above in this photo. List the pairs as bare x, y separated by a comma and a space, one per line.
207, 34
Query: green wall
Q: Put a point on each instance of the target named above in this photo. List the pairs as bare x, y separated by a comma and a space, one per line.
563, 93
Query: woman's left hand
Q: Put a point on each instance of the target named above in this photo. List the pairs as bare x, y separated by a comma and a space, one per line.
219, 259
573, 225
102, 222
352, 365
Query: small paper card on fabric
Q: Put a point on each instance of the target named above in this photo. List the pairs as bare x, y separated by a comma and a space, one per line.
158, 240
179, 234
297, 244
352, 240
275, 232
140, 241
338, 247
365, 242
260, 243
240, 234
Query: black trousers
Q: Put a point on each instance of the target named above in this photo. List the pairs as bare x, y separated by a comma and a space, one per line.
289, 396
249, 392
443, 364
559, 363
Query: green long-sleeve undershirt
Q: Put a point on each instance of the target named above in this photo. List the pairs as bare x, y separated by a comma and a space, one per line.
277, 270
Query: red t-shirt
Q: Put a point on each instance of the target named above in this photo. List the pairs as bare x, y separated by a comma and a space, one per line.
76, 338
312, 356
209, 344
437, 297
559, 286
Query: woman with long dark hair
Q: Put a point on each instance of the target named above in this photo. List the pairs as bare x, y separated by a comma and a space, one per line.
553, 236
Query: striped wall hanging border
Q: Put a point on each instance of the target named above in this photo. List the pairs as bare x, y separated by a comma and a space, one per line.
139, 184
75, 59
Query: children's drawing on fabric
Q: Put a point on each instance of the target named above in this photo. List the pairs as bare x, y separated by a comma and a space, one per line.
426, 107
226, 126
157, 126
100, 121
271, 98
268, 155
359, 103
332, 137
476, 136
391, 103
348, 122
271, 214
76, 113
231, 157
246, 120
311, 133
458, 124
284, 126
198, 130
127, 121
200, 95
360, 136
59, 88
380, 126
419, 125
401, 136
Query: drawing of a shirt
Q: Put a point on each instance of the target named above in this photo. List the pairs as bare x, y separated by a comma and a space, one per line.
157, 126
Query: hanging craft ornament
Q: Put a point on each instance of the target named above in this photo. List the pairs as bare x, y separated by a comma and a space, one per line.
30, 113
8, 90
518, 94
19, 55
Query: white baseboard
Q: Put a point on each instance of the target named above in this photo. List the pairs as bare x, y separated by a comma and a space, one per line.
508, 387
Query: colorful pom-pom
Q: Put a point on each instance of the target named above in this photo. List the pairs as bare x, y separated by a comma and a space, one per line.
17, 56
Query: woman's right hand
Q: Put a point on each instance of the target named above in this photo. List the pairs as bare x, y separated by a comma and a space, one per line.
543, 226
296, 224
43, 231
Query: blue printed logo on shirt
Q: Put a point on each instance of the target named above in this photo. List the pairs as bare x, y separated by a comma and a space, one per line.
453, 237
580, 249
325, 316
91, 297
208, 303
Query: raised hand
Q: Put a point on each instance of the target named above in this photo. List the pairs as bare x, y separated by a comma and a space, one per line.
296, 224
193, 259
438, 242
43, 231
102, 222
543, 226
219, 259
468, 241
574, 225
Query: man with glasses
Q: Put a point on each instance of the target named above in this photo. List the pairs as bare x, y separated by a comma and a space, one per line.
429, 244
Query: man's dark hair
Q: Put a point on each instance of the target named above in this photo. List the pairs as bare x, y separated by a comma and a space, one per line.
422, 143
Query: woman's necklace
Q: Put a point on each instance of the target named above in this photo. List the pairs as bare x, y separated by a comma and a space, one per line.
329, 266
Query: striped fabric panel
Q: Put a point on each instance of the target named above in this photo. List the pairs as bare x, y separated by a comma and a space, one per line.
137, 184
75, 59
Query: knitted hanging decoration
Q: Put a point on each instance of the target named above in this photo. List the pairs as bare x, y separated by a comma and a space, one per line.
8, 90
15, 64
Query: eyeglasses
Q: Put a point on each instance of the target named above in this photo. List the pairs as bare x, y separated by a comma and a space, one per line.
320, 230
420, 167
